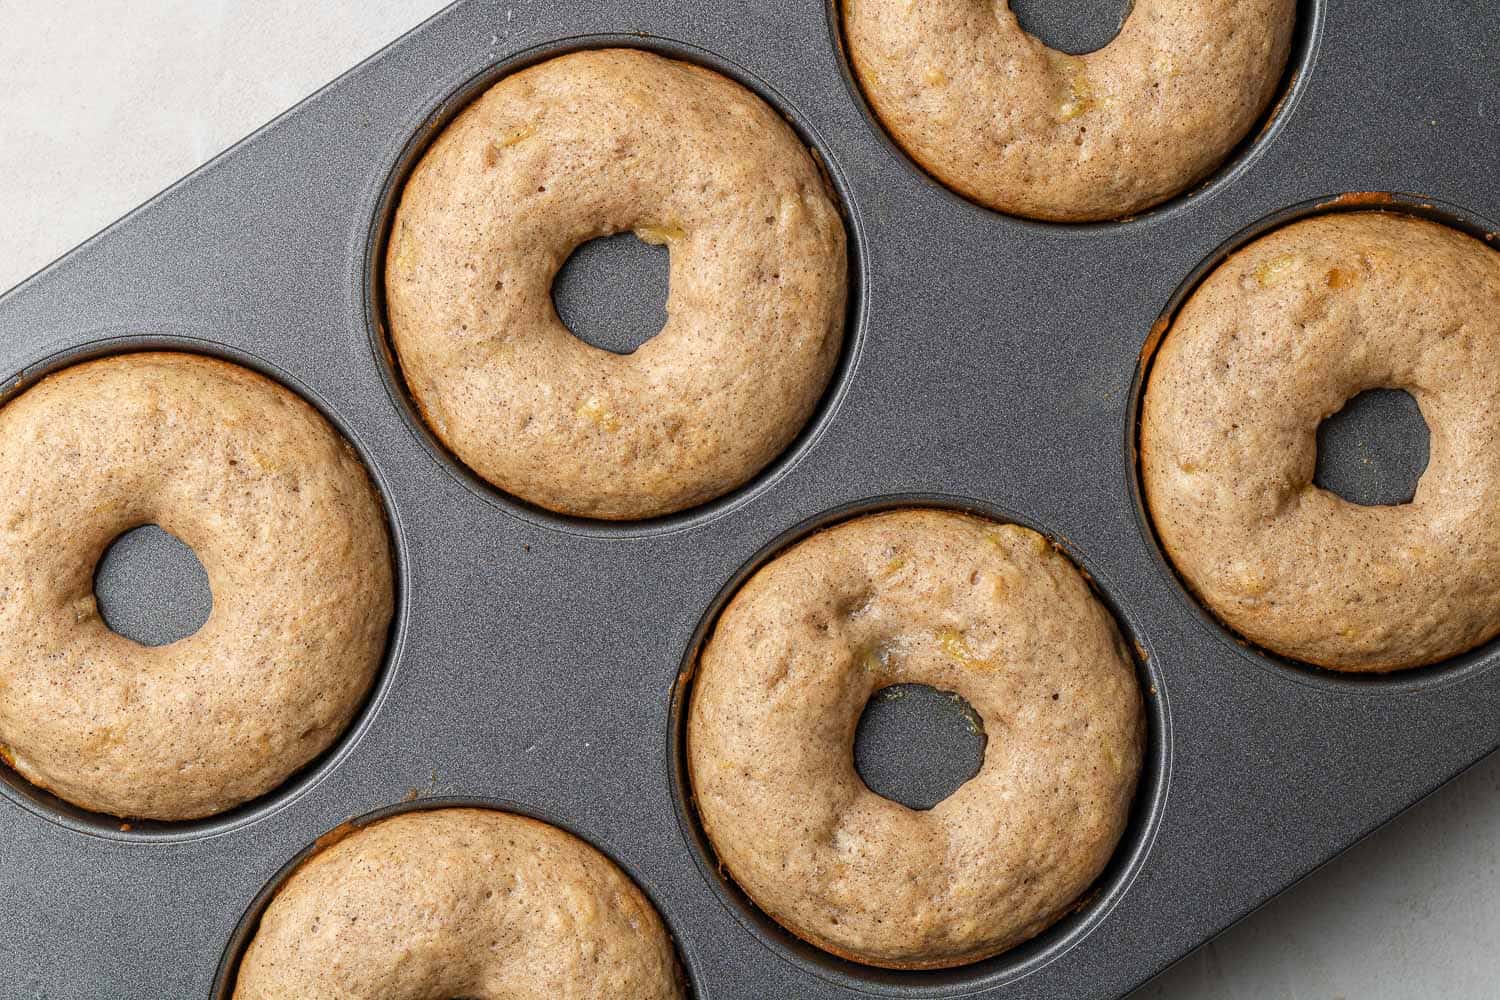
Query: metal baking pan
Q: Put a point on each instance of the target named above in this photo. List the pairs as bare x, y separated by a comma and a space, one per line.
991, 363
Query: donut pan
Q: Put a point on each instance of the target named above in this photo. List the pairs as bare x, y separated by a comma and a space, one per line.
991, 364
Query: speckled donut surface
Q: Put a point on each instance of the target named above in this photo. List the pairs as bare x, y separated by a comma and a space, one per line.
991, 612
469, 903
998, 116
584, 146
1273, 342
283, 517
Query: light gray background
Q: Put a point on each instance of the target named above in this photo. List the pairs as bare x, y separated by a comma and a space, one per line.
103, 103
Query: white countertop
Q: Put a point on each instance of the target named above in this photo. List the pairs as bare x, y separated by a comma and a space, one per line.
103, 103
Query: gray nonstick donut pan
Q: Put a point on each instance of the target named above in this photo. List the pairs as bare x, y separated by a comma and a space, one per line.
991, 363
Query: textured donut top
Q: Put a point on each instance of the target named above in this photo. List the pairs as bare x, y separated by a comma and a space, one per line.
285, 521
1273, 342
988, 611
471, 903
582, 146
1001, 118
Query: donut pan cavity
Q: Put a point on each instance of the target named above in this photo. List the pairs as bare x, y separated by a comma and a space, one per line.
992, 364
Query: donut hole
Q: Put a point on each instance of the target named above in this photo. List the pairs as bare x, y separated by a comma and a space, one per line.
612, 292
151, 588
1075, 27
917, 745
1374, 451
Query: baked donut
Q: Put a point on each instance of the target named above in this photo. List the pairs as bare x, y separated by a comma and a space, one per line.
285, 521
584, 146
991, 612
1278, 338
468, 903
1004, 120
